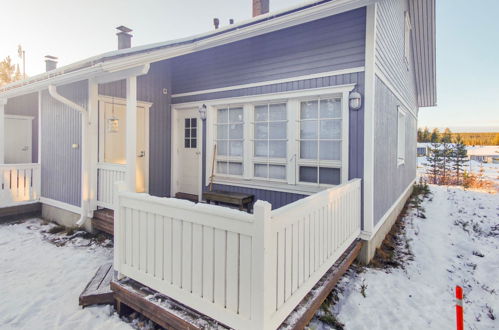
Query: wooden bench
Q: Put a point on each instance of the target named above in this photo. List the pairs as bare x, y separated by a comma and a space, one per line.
243, 201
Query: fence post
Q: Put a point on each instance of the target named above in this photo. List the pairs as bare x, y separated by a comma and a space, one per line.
262, 266
118, 188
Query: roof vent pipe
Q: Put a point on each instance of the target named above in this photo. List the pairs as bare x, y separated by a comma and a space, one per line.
260, 7
231, 21
124, 37
50, 63
216, 23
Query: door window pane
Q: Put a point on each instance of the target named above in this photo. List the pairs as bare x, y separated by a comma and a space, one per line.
190, 133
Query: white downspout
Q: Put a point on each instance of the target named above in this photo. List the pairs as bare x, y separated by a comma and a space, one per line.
84, 171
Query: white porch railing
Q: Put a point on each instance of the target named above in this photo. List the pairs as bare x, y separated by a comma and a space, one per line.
248, 271
108, 175
19, 184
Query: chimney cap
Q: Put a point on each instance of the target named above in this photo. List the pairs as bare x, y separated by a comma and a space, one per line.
50, 57
124, 29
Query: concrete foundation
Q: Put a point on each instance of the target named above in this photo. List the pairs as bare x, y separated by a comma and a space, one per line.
370, 246
63, 217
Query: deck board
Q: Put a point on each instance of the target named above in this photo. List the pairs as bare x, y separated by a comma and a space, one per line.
98, 290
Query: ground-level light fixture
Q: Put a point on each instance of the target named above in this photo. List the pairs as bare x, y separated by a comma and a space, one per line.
355, 100
202, 112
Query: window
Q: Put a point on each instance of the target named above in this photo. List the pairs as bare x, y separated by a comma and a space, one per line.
230, 128
295, 143
407, 39
270, 141
400, 136
190, 133
320, 141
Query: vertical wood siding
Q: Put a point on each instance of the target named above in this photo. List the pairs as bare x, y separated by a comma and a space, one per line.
390, 24
61, 128
390, 180
332, 43
150, 88
26, 105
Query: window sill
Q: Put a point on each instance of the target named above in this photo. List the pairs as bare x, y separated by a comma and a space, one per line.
275, 186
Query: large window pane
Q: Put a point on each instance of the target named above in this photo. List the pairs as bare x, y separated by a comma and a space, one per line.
277, 112
277, 149
236, 115
261, 131
222, 148
277, 172
330, 150
222, 167
329, 175
236, 131
261, 113
330, 108
308, 150
277, 130
308, 174
236, 148
261, 149
223, 116
235, 168
308, 129
309, 109
330, 129
261, 171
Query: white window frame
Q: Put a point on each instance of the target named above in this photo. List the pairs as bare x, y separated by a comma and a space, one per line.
407, 39
401, 133
293, 100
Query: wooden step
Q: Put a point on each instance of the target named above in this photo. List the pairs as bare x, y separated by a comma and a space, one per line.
103, 220
98, 290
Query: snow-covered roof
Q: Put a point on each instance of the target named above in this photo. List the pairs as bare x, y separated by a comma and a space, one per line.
483, 151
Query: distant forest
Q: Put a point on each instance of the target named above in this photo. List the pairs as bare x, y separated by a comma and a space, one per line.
470, 139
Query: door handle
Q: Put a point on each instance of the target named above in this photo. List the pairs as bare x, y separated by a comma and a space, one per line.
141, 154
26, 148
198, 152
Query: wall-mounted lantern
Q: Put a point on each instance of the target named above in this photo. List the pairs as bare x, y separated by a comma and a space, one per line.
355, 100
202, 112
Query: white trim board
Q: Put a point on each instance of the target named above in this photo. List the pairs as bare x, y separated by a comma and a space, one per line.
19, 117
392, 89
60, 205
270, 96
272, 82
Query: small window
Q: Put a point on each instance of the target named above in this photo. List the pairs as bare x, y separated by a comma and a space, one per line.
407, 40
401, 124
190, 133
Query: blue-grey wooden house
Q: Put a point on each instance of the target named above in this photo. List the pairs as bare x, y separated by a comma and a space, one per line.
262, 107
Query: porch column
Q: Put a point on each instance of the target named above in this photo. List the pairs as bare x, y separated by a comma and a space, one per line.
131, 133
3, 102
93, 141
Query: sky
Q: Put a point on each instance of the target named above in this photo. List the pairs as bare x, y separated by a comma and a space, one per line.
467, 42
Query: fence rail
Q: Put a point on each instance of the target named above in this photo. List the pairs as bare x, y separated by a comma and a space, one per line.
19, 184
108, 175
248, 271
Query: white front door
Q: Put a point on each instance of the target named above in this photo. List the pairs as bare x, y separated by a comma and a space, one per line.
188, 151
18, 131
112, 135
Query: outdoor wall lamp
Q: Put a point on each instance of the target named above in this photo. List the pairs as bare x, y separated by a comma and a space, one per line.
202, 112
355, 100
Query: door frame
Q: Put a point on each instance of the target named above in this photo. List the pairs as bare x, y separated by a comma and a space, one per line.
175, 161
121, 101
27, 118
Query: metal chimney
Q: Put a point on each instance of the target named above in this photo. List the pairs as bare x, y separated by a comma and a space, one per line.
216, 23
260, 7
50, 63
124, 37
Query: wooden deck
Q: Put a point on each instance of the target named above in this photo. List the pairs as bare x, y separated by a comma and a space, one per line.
98, 290
103, 220
20, 212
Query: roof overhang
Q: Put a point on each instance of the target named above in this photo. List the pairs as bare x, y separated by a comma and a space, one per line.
125, 59
422, 14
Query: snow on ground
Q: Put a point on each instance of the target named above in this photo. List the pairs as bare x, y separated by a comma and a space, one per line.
457, 244
40, 282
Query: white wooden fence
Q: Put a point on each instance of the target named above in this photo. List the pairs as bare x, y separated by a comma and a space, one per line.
108, 175
19, 184
248, 271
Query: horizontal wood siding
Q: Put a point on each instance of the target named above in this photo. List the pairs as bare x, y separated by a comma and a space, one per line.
390, 180
26, 105
61, 128
390, 23
150, 89
332, 43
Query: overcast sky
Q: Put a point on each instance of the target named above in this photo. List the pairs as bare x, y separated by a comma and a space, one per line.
467, 41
